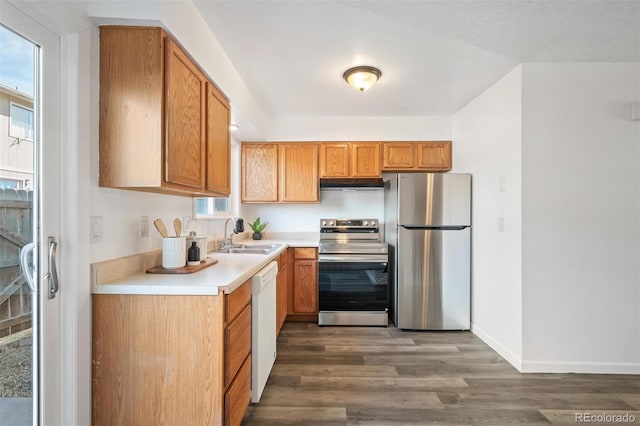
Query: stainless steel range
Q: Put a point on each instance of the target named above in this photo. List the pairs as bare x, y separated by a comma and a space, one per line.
353, 276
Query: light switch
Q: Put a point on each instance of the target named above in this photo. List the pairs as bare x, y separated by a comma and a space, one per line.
95, 229
144, 227
502, 184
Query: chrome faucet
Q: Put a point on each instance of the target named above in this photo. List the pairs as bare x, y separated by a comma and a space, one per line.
229, 241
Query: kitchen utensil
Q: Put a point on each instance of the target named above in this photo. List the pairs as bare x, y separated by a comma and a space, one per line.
177, 226
159, 224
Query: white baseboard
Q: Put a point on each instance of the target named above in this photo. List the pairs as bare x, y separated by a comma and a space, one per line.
505, 353
533, 366
580, 367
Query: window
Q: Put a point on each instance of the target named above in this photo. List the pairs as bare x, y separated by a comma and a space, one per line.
8, 183
211, 207
20, 122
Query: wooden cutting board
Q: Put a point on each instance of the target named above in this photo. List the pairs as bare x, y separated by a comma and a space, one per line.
209, 261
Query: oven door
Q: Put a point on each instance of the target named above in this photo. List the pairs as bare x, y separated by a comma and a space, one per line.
353, 283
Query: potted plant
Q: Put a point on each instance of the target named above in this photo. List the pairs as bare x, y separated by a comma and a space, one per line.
257, 228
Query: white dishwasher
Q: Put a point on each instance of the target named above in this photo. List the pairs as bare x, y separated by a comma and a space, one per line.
263, 328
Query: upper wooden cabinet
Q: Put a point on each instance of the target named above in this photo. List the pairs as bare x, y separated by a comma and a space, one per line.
349, 159
259, 172
164, 127
334, 160
184, 119
218, 144
298, 173
280, 173
416, 156
365, 159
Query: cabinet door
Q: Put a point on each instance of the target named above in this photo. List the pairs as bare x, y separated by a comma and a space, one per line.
434, 156
238, 396
398, 156
298, 173
184, 119
259, 173
131, 92
281, 296
305, 286
237, 344
218, 143
365, 160
334, 160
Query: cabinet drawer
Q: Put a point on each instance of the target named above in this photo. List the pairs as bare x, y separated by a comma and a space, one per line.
237, 344
237, 397
236, 301
304, 253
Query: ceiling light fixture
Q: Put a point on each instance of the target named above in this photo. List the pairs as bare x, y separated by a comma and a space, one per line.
362, 78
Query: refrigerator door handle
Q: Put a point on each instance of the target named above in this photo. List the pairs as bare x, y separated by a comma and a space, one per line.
434, 227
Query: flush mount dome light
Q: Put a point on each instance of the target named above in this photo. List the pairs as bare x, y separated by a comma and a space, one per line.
361, 78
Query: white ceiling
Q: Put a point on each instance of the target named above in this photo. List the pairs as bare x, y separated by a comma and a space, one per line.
435, 56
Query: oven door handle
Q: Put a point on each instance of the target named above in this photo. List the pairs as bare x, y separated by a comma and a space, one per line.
353, 258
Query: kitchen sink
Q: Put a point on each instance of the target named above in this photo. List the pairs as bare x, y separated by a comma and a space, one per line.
251, 248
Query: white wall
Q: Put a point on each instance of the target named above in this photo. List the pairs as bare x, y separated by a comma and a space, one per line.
306, 217
486, 143
581, 218
360, 128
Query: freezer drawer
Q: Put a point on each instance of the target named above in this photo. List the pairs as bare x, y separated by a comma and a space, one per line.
433, 289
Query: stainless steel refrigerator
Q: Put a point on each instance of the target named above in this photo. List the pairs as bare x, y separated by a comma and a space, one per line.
428, 230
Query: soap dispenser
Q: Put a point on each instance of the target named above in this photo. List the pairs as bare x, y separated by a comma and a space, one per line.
193, 255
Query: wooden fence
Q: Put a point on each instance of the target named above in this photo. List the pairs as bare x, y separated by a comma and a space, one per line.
15, 231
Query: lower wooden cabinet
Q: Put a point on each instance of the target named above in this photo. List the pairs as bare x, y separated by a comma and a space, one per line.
237, 344
237, 354
304, 288
282, 289
238, 395
169, 359
157, 359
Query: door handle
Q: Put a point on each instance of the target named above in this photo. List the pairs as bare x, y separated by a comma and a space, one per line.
27, 270
52, 275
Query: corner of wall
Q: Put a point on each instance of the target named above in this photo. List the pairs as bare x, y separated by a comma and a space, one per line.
487, 141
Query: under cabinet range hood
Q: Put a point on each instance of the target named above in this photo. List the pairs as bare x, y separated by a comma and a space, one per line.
351, 184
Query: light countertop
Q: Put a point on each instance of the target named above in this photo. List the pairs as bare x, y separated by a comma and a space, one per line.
231, 271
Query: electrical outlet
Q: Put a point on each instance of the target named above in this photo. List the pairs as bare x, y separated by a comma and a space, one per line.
186, 224
144, 227
501, 224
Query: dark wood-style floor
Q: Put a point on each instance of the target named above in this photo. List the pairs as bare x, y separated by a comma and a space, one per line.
384, 376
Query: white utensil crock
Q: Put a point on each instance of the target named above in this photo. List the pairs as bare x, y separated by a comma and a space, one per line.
174, 252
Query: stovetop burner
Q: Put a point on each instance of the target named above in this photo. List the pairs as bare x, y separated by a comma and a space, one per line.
351, 236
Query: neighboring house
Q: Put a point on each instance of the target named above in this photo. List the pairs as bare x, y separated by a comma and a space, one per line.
16, 139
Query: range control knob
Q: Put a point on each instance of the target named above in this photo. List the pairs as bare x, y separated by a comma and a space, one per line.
324, 223
331, 223
366, 223
373, 223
